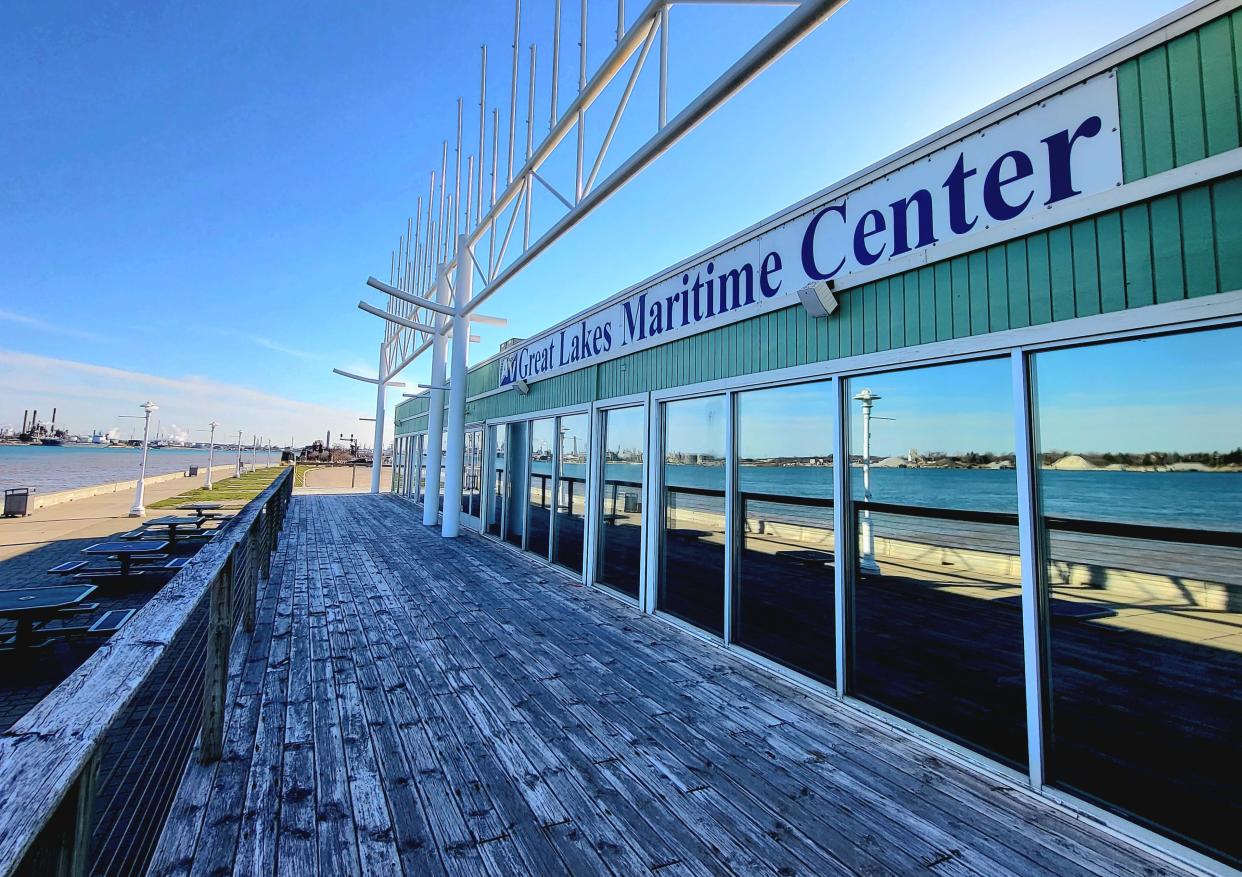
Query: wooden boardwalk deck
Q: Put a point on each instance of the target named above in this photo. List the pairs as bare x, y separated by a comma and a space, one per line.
410, 705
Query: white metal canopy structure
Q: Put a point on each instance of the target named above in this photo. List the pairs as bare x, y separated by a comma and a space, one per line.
449, 262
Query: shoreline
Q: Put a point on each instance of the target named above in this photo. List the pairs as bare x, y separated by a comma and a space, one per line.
41, 501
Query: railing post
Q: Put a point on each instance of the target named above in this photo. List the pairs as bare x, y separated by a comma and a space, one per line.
268, 543
216, 672
258, 555
64, 845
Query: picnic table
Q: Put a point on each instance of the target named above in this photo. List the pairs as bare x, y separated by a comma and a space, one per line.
172, 522
204, 509
125, 552
31, 606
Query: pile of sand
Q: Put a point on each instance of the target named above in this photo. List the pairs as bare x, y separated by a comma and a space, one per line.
1073, 462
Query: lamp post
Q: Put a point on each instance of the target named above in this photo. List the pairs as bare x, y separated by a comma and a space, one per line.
211, 449
867, 561
239, 453
138, 510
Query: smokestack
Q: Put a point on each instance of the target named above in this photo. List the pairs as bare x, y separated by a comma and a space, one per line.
34, 420
25, 414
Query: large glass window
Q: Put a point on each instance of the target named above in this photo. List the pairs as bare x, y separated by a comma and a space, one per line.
472, 473
1140, 484
420, 456
572, 490
516, 456
496, 438
692, 557
539, 497
621, 517
784, 596
937, 624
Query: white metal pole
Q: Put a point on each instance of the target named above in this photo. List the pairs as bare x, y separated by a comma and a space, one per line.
478, 207
239, 453
457, 173
435, 411
582, 52
663, 86
517, 26
867, 561
211, 449
454, 467
138, 510
530, 141
254, 452
377, 456
556, 63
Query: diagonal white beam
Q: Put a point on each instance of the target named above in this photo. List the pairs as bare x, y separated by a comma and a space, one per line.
393, 318
346, 374
804, 19
430, 305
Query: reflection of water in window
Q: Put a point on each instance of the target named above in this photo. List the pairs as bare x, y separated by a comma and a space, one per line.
1140, 488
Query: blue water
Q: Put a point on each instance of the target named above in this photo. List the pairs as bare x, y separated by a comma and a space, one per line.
49, 469
1175, 499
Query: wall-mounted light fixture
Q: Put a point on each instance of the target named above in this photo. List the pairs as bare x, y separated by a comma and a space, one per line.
818, 298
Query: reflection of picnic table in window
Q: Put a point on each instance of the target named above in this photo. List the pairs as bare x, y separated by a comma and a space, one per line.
32, 608
809, 556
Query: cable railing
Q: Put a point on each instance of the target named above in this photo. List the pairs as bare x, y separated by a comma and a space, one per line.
87, 777
1086, 552
1057, 524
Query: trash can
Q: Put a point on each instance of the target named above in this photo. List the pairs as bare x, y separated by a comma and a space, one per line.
191, 471
16, 501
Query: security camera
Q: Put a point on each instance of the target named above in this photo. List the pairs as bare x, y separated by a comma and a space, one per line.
818, 298
522, 387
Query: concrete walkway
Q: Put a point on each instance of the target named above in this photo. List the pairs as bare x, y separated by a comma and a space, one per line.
30, 546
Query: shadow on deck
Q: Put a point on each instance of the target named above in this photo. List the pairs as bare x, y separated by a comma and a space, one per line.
414, 705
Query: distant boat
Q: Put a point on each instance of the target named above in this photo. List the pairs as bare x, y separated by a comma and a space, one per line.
52, 442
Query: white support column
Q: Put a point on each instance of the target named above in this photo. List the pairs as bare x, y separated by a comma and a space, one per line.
377, 454
455, 463
435, 411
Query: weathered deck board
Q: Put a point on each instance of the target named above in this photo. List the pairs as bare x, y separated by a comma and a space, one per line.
409, 705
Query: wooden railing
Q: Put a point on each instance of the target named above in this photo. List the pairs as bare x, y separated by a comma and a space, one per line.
165, 672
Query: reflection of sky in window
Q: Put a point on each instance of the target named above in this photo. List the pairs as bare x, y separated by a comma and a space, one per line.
1177, 393
574, 434
542, 435
951, 408
695, 426
624, 431
793, 421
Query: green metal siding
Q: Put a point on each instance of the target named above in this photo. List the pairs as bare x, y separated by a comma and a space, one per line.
1177, 246
1179, 102
574, 388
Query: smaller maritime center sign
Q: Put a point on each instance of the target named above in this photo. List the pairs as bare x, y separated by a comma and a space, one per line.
1061, 149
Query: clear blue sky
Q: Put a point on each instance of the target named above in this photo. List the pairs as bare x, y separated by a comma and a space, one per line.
193, 194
